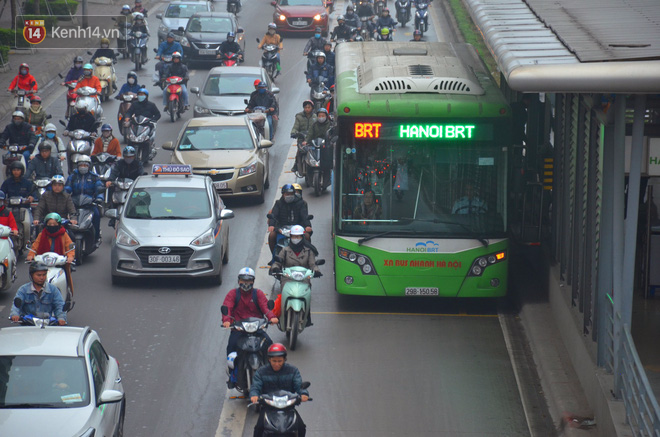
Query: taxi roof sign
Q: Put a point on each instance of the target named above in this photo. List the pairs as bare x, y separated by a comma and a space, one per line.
171, 169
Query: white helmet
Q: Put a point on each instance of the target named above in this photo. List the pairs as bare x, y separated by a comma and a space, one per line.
230, 359
58, 179
297, 230
50, 127
246, 273
83, 159
18, 114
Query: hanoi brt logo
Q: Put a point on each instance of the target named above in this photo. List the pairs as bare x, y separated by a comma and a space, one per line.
424, 247
34, 31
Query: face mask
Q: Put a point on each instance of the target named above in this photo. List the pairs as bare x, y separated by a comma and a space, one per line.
271, 31
53, 229
317, 35
321, 119
17, 122
104, 46
131, 81
141, 98
83, 169
289, 199
50, 135
245, 287
298, 195
78, 65
261, 90
23, 71
129, 160
230, 39
87, 72
295, 241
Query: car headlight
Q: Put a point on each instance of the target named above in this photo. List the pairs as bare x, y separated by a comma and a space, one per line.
202, 110
282, 17
206, 239
163, 28
125, 239
184, 42
244, 171
317, 17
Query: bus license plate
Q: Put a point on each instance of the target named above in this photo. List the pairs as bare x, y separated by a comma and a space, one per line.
421, 291
220, 185
207, 51
164, 259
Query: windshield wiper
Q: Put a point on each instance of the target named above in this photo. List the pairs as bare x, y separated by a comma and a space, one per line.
171, 217
480, 239
382, 234
232, 94
28, 405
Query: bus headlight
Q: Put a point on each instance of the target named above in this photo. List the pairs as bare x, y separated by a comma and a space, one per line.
481, 263
363, 261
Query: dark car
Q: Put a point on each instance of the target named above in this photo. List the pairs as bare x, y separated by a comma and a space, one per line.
298, 16
205, 32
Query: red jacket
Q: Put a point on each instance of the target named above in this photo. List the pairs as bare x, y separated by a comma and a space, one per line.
23, 83
91, 81
246, 307
7, 218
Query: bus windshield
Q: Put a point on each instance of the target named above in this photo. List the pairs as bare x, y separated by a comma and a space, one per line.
441, 189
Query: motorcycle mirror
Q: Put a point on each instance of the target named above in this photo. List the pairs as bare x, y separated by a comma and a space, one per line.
60, 75
49, 116
62, 123
240, 30
245, 101
18, 302
271, 305
66, 307
270, 216
310, 217
305, 385
320, 262
257, 40
224, 310
155, 50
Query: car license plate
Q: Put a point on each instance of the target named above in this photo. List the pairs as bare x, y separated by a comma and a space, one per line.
220, 185
207, 51
421, 291
164, 259
299, 23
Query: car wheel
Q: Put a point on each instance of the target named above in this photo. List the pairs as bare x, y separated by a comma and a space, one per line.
261, 197
217, 279
120, 426
267, 181
225, 257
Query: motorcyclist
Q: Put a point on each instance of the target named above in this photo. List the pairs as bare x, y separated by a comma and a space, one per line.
50, 133
144, 107
19, 132
342, 30
177, 68
126, 168
303, 122
329, 54
271, 37
39, 296
351, 18
365, 9
251, 303
18, 185
88, 79
385, 20
84, 181
230, 46
169, 46
35, 115
23, 80
417, 35
319, 130
277, 375
296, 254
107, 143
6, 216
139, 8
82, 119
288, 211
44, 165
75, 72
330, 106
264, 99
315, 43
131, 85
53, 238
104, 52
321, 70
55, 200
125, 14
140, 25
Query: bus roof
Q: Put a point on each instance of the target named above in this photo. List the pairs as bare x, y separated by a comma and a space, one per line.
424, 79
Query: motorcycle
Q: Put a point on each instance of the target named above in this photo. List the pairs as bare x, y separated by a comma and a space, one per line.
141, 136
422, 17
88, 95
174, 104
137, 47
22, 98
105, 71
7, 259
14, 153
122, 40
384, 36
379, 6
20, 208
161, 68
402, 11
319, 94
57, 276
82, 143
84, 235
42, 185
40, 320
296, 300
280, 411
120, 192
234, 6
70, 97
230, 59
126, 102
269, 60
102, 165
315, 174
250, 356
364, 29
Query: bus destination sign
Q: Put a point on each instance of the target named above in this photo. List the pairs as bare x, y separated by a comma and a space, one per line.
421, 131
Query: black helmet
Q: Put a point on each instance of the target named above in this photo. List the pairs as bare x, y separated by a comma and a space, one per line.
132, 74
288, 188
78, 59
17, 164
46, 145
37, 267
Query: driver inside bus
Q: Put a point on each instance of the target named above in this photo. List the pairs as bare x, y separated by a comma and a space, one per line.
369, 209
470, 203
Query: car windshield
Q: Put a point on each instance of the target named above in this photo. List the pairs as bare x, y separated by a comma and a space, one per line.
168, 203
230, 84
210, 25
301, 3
43, 382
184, 11
216, 138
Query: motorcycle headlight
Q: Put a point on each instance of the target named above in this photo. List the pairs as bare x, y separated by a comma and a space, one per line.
244, 171
184, 42
138, 34
142, 137
125, 239
202, 110
297, 276
280, 402
206, 239
86, 223
78, 135
124, 185
15, 201
251, 327
13, 148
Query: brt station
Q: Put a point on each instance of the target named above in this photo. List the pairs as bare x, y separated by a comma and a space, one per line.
583, 81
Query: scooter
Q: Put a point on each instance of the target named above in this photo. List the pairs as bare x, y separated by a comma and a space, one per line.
269, 60
283, 236
174, 105
14, 153
126, 102
122, 43
296, 300
280, 411
88, 95
422, 17
120, 192
230, 59
57, 276
384, 33
81, 143
379, 6
137, 47
364, 29
314, 174
402, 11
41, 320
20, 208
319, 94
102, 165
70, 97
250, 356
141, 136
22, 98
105, 71
7, 259
84, 235
234, 6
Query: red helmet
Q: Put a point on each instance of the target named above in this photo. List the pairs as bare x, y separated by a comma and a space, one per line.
23, 65
257, 82
35, 99
277, 350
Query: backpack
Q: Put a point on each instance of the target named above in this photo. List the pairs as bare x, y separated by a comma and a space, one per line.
254, 298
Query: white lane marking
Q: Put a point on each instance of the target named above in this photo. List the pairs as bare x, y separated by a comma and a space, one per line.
232, 418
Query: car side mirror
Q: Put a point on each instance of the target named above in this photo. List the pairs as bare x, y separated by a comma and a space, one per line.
168, 145
224, 310
194, 90
159, 16
18, 302
264, 144
111, 397
320, 262
240, 30
275, 90
226, 214
271, 305
112, 213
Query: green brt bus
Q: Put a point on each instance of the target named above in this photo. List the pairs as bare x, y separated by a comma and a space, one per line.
420, 179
